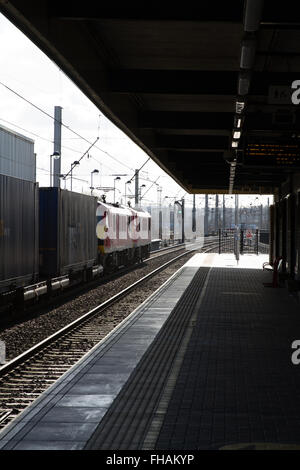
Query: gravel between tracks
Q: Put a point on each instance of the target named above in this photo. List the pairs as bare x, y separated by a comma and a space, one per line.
28, 332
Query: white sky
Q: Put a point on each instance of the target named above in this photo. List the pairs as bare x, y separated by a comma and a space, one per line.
29, 72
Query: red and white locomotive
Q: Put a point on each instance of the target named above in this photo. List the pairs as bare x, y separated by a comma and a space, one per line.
124, 235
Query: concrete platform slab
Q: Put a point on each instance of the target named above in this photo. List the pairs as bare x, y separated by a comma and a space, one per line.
91, 386
210, 369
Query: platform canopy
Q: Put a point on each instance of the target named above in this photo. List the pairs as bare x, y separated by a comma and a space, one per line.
205, 92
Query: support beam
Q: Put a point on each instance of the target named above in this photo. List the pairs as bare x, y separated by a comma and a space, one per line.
198, 158
173, 82
91, 10
191, 142
196, 82
182, 120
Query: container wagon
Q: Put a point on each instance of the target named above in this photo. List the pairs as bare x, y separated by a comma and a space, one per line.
67, 237
19, 265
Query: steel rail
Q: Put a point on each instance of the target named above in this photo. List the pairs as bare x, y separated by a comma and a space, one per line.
9, 366
36, 363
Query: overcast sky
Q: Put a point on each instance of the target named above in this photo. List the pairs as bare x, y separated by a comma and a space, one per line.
29, 72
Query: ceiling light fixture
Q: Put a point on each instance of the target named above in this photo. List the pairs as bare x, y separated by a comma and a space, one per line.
237, 121
236, 133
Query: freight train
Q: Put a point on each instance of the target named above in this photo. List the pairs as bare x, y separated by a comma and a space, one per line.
52, 238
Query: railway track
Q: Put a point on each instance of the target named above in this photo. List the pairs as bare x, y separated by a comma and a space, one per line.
12, 315
209, 241
24, 378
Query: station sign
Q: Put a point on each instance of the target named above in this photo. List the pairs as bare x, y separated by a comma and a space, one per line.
272, 154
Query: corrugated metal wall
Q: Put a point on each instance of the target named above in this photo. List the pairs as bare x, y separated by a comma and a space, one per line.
79, 242
67, 231
18, 232
17, 158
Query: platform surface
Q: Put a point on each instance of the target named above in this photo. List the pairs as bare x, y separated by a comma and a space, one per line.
66, 415
205, 363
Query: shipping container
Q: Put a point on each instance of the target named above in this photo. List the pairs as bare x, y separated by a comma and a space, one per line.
17, 157
18, 233
166, 223
155, 222
177, 222
68, 241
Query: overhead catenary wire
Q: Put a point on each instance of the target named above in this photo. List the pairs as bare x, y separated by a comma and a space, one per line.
140, 168
100, 163
63, 125
78, 136
98, 134
75, 178
39, 136
154, 182
82, 157
51, 141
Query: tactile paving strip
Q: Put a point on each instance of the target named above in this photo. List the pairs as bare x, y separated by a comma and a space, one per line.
127, 421
237, 386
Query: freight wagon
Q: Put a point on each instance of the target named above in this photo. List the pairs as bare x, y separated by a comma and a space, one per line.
18, 233
67, 237
47, 240
52, 238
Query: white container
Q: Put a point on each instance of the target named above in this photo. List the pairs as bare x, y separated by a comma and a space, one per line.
17, 157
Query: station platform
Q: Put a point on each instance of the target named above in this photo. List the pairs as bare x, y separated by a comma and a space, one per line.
204, 363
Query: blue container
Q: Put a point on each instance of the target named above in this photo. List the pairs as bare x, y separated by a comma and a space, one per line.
67, 240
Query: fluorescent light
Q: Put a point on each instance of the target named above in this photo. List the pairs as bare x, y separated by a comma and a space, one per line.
236, 134
234, 143
237, 122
